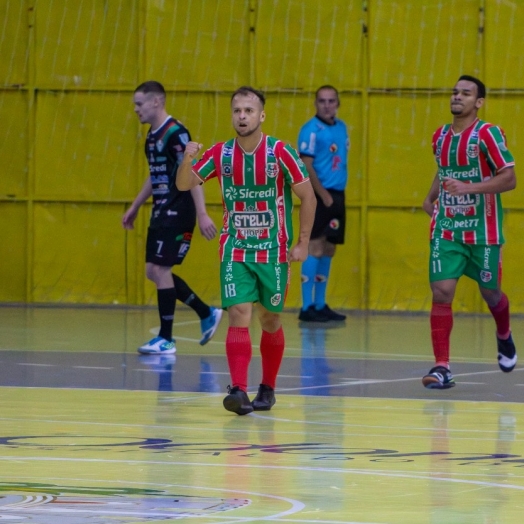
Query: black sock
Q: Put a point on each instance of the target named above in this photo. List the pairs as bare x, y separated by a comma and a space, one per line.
186, 295
166, 311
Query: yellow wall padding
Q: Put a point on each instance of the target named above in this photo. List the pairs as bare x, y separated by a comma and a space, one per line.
72, 158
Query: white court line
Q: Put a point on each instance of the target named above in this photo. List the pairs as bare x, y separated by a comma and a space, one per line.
169, 464
35, 364
431, 429
296, 505
359, 382
91, 367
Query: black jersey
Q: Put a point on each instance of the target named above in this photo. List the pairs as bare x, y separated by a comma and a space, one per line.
164, 151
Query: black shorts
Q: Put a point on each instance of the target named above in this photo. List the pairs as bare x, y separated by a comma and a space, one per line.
330, 222
168, 246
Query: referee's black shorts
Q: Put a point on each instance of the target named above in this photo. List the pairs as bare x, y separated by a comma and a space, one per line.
330, 222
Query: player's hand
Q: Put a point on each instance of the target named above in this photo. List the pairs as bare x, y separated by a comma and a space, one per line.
456, 187
192, 149
298, 253
207, 227
327, 199
128, 220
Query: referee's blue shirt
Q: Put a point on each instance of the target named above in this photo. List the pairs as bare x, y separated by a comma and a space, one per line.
328, 145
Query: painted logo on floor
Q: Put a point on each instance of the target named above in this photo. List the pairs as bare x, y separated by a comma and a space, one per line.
48, 504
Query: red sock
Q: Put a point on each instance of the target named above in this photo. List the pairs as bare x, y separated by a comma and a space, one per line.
441, 321
500, 313
272, 351
238, 351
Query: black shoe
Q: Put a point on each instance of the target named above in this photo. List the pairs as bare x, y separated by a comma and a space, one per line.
507, 354
237, 401
438, 377
265, 398
312, 315
330, 314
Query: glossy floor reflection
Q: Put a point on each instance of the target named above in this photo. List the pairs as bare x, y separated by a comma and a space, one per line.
93, 433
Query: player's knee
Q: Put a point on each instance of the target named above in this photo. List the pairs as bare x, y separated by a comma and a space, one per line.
240, 315
270, 322
491, 296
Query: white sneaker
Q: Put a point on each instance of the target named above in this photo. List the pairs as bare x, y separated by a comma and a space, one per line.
158, 346
507, 354
210, 324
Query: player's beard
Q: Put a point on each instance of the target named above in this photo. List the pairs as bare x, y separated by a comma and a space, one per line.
456, 109
246, 131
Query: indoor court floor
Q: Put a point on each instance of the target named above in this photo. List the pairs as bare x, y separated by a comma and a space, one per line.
93, 433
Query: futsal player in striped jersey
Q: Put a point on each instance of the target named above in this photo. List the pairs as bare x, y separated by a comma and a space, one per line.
257, 174
173, 218
474, 166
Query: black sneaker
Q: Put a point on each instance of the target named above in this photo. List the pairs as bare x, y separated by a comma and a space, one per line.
237, 401
507, 354
265, 398
330, 314
312, 315
438, 377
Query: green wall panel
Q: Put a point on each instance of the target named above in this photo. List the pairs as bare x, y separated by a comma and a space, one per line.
398, 263
300, 45
397, 258
13, 252
401, 162
508, 113
87, 145
503, 44
512, 257
72, 158
203, 44
79, 254
14, 144
13, 42
295, 38
421, 44
87, 44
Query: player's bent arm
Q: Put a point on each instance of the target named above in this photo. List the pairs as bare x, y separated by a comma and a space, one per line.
186, 179
504, 180
205, 224
319, 189
141, 198
429, 202
308, 204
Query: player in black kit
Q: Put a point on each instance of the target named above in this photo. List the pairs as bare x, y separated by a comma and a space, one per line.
173, 218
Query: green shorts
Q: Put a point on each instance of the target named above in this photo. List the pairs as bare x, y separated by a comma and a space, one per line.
242, 282
452, 260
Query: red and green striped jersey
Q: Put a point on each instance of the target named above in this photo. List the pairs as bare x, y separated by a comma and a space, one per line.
476, 154
257, 198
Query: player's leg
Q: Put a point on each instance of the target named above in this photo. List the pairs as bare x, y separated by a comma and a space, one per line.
309, 268
159, 260
181, 236
209, 316
321, 282
239, 291
334, 233
486, 269
273, 282
309, 271
447, 263
498, 305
